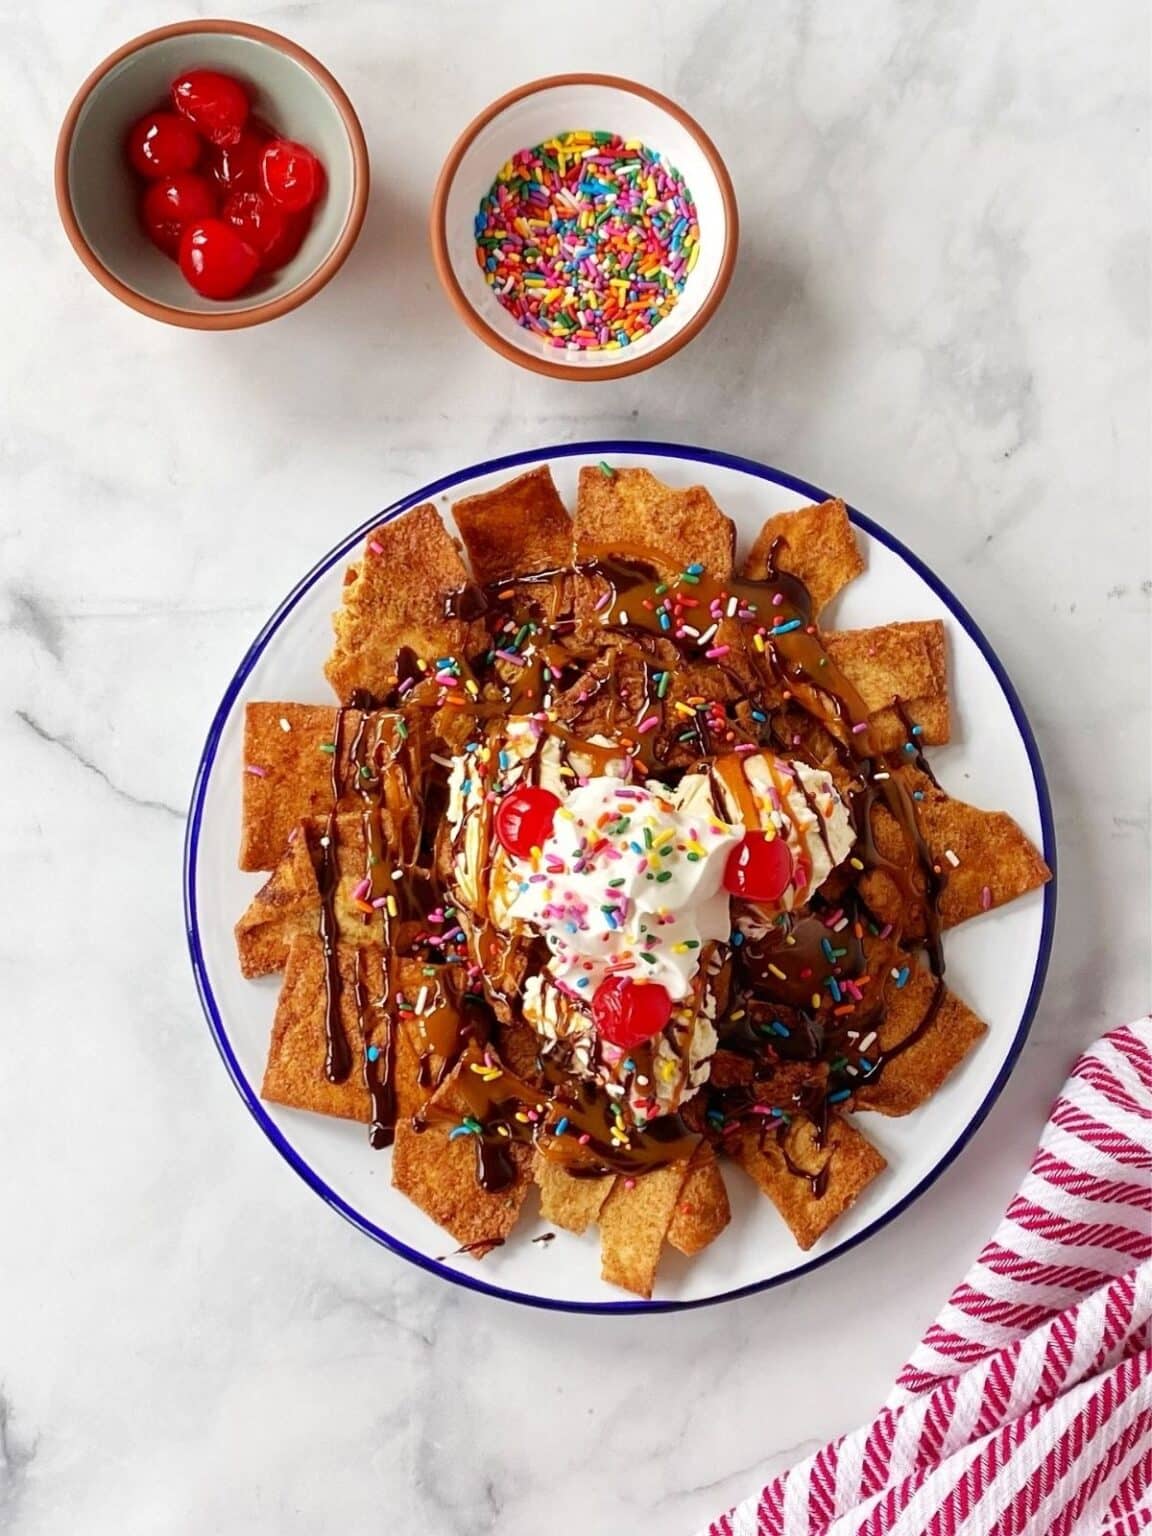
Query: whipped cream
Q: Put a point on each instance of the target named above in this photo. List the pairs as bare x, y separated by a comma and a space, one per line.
481, 869
681, 1054
630, 882
801, 804
595, 893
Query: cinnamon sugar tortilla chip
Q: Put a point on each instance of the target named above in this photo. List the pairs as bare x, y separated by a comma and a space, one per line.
285, 905
295, 1065
694, 685
630, 510
634, 1223
978, 849
503, 960
817, 544
568, 1202
904, 661
289, 901
984, 857
932, 715
439, 1174
288, 775
630, 513
628, 685
518, 528
915, 1074
851, 1161
621, 680
290, 772
702, 1210
936, 639
520, 1047
395, 597
295, 1072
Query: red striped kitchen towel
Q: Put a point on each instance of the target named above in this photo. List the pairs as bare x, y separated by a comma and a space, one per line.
1026, 1409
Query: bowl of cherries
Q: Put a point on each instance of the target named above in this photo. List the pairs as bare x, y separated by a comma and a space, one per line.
212, 174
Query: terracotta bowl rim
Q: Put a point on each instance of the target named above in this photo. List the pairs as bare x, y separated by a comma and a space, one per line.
546, 365
222, 319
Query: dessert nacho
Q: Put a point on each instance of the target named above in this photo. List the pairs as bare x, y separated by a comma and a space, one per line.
612, 868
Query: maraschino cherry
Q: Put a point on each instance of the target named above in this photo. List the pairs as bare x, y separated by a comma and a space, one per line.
214, 103
524, 818
759, 868
247, 209
629, 1012
216, 259
237, 166
162, 144
257, 219
291, 173
171, 204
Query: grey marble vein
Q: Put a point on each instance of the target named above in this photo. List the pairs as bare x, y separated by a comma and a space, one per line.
16, 1455
69, 747
32, 616
941, 310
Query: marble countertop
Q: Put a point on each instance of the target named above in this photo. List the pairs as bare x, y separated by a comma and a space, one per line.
940, 309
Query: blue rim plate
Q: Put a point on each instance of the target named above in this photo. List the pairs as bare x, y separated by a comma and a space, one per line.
194, 915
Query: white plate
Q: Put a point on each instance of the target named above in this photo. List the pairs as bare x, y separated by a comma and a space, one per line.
995, 963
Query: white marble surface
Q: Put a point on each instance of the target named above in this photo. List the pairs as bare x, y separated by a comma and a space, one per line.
941, 309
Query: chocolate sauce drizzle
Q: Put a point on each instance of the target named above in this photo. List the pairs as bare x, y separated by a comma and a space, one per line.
337, 1053
543, 639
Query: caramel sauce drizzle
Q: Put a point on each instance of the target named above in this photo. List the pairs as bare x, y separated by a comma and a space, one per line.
337, 1052
796, 669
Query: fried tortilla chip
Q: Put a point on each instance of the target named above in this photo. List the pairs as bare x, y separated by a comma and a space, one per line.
520, 1047
568, 1202
291, 771
897, 661
295, 1072
702, 1210
630, 509
288, 773
817, 544
285, 905
914, 1074
394, 598
850, 1163
634, 1222
518, 528
616, 684
288, 903
694, 686
503, 960
977, 850
297, 1052
983, 856
615, 696
438, 1173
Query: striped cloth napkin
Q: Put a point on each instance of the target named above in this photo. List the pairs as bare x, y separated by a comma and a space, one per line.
1026, 1409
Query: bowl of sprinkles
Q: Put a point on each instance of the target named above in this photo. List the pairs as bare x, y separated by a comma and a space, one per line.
585, 227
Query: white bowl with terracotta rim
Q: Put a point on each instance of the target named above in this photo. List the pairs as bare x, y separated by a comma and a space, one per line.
526, 117
97, 193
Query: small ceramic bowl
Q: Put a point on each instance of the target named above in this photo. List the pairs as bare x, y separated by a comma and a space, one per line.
528, 116
96, 191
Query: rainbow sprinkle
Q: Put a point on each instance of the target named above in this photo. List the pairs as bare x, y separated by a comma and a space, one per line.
587, 239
